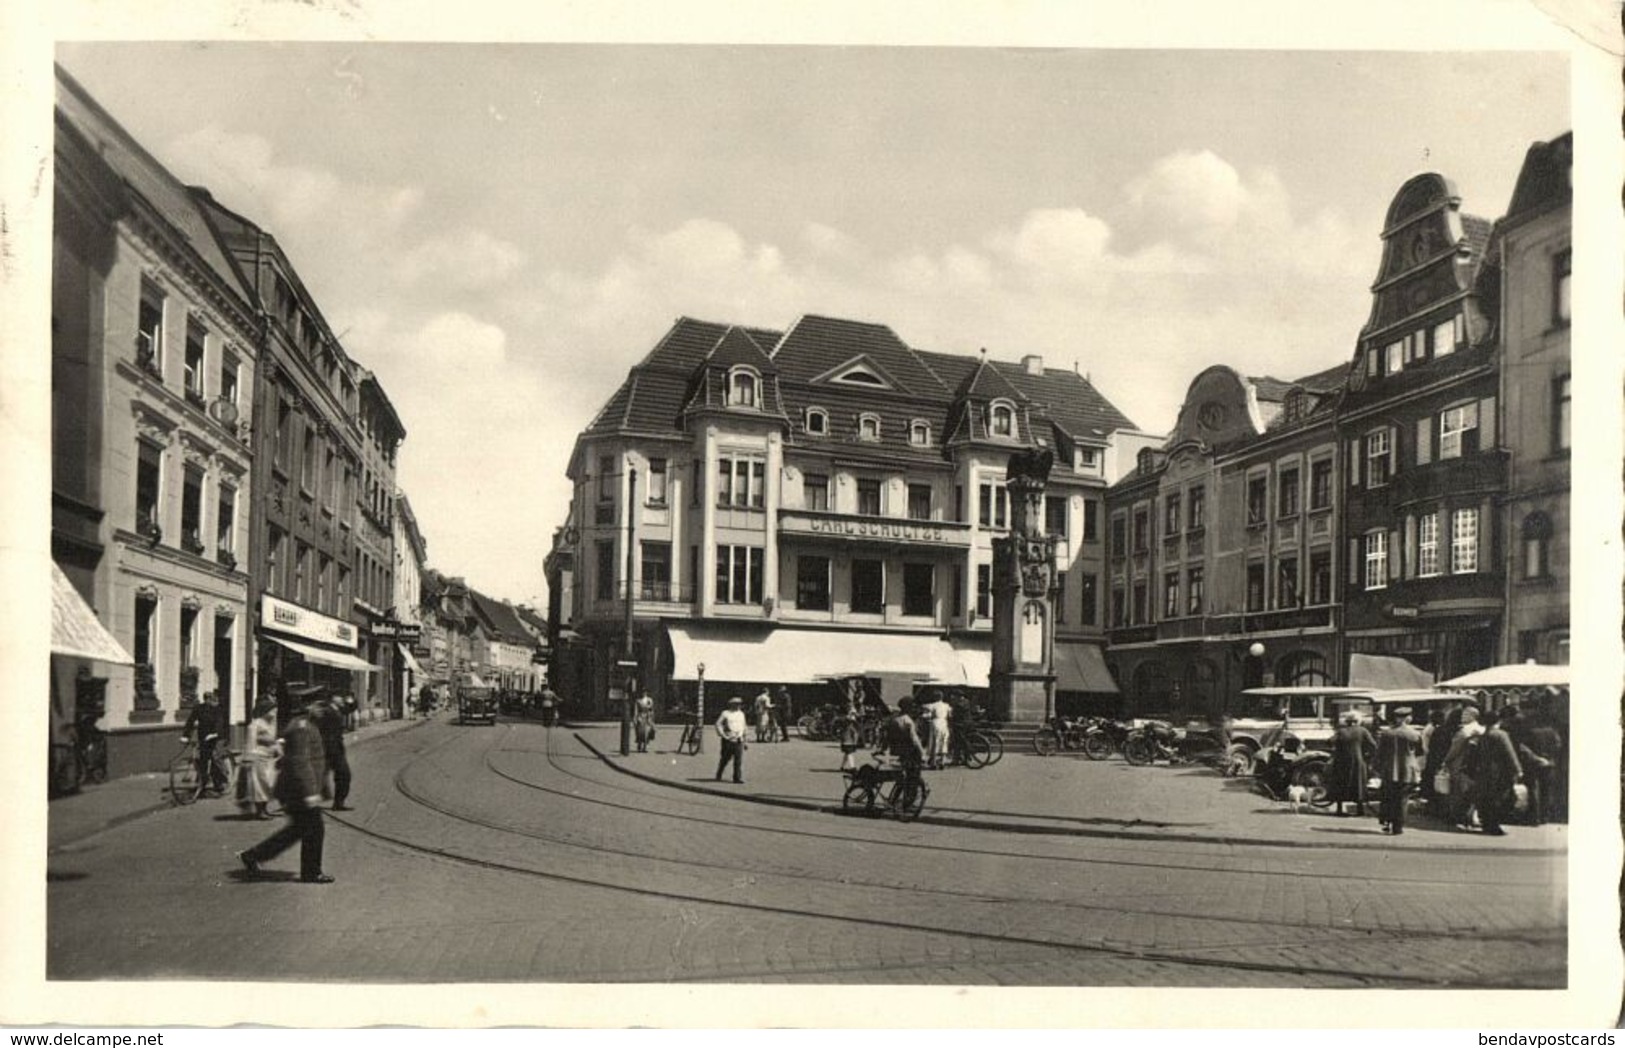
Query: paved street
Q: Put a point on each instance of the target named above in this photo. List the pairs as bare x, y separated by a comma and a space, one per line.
516, 852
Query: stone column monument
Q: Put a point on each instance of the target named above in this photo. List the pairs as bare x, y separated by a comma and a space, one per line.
1022, 681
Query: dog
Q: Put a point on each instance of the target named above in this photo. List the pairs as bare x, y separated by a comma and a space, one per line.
1296, 798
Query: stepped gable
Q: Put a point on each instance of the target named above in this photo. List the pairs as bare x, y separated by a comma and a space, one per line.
144, 176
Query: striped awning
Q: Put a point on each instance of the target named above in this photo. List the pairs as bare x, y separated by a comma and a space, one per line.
75, 629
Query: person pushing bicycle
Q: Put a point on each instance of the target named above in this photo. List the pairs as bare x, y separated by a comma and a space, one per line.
899, 738
204, 724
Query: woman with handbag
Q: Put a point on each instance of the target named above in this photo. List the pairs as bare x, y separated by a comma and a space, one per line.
257, 784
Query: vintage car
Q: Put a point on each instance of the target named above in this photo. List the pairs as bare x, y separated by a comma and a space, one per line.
476, 703
1312, 714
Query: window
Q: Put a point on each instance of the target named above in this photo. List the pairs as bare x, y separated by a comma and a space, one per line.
1142, 529
284, 434
1119, 607
1286, 583
1320, 484
1091, 520
1193, 590
740, 482
1055, 516
1088, 459
984, 591
192, 510
1198, 509
739, 575
1444, 338
274, 562
301, 573
225, 522
307, 465
869, 496
606, 478
1427, 545
815, 491
657, 482
324, 566
1537, 537
1119, 543
149, 329
919, 501
654, 570
1002, 420
1170, 515
869, 427
188, 649
1089, 584
1393, 358
1464, 542
228, 379
919, 589
146, 621
1458, 431
812, 583
743, 388
1142, 609
1170, 595
1378, 458
1287, 495
330, 474
1255, 587
956, 600
148, 471
341, 592
606, 570
194, 361
1320, 578
1257, 500
817, 423
1561, 408
1562, 264
868, 586
993, 505
1376, 560
1060, 598
919, 434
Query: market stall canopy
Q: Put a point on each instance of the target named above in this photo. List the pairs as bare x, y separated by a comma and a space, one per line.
75, 629
1387, 672
1081, 667
324, 656
791, 656
1512, 675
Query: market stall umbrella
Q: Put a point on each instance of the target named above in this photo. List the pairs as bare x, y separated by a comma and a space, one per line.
1511, 675
75, 630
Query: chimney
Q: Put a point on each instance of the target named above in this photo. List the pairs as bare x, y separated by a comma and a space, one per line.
1032, 364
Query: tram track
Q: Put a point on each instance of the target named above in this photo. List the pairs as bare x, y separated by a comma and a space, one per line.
1369, 938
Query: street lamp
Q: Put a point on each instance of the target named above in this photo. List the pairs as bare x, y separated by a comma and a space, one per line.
699, 709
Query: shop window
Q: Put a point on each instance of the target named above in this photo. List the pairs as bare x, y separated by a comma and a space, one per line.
868, 586
657, 482
1193, 590
919, 501
1088, 589
815, 491
654, 570
919, 589
812, 583
869, 496
1463, 541
1537, 539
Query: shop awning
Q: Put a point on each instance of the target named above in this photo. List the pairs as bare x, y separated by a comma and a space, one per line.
1388, 672
324, 656
975, 658
75, 629
1081, 667
791, 656
411, 662
1513, 675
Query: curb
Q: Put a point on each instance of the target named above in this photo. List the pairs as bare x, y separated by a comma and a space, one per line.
1051, 831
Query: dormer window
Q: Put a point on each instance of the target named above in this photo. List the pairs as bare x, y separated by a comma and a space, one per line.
817, 422
1002, 419
869, 427
744, 388
919, 433
1088, 458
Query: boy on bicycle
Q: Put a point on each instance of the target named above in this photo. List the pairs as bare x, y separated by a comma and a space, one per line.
899, 738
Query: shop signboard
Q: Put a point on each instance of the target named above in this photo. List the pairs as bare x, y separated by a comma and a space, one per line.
287, 617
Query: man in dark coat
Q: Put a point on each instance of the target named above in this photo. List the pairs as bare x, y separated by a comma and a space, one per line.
1498, 770
328, 716
1352, 750
300, 786
1399, 749
205, 723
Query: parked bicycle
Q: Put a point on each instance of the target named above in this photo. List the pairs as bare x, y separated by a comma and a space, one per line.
81, 758
885, 786
693, 732
186, 779
973, 743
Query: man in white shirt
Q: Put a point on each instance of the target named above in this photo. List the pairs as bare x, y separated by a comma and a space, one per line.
731, 729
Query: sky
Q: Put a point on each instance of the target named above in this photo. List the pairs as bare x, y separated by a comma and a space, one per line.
501, 231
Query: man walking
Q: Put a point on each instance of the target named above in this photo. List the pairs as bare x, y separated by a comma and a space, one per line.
781, 711
731, 728
762, 711
1399, 747
300, 787
204, 724
329, 720
1498, 771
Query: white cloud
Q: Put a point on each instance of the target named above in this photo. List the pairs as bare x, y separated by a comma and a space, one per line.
1056, 245
1190, 191
468, 259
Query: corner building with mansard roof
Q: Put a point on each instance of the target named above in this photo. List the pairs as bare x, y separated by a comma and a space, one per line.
819, 502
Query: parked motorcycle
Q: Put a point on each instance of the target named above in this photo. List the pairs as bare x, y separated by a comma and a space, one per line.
1104, 737
1159, 740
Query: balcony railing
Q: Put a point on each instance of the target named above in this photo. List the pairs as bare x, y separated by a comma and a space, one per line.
666, 592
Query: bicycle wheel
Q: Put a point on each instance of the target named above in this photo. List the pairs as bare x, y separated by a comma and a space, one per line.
995, 746
66, 770
976, 751
1097, 747
1047, 742
1138, 751
694, 740
95, 759
183, 779
225, 763
905, 800
1313, 781
859, 797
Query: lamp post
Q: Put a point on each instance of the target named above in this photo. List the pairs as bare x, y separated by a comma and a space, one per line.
699, 709
626, 644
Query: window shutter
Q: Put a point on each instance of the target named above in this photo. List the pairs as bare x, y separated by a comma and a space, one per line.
1354, 463
1424, 440
1396, 540
1486, 423
1409, 561
1393, 450
1356, 560
1486, 547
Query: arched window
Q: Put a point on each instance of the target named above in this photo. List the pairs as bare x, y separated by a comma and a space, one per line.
1152, 688
868, 426
1305, 668
817, 422
1537, 543
744, 388
1002, 419
919, 433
